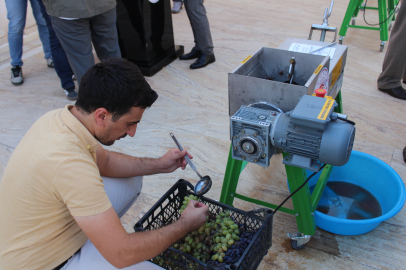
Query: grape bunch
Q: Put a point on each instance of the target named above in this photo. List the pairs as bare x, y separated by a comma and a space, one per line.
218, 242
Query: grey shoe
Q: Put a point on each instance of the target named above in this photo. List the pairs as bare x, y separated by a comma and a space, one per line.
71, 93
177, 6
50, 63
17, 75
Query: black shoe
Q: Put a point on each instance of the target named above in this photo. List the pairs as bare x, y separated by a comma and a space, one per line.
398, 92
203, 61
71, 93
192, 55
404, 154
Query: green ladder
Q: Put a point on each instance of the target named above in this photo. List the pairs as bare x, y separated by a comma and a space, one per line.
386, 17
304, 203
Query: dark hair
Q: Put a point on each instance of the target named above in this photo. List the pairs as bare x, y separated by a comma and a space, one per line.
116, 85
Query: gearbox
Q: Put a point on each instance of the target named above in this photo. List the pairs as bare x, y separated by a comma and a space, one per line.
311, 134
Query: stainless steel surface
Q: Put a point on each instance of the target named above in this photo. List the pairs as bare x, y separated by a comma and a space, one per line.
186, 156
324, 27
204, 184
247, 83
329, 45
337, 64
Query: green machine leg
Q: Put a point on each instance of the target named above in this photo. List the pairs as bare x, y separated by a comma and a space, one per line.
386, 11
352, 11
304, 203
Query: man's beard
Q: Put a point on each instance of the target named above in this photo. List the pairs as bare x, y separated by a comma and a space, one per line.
104, 142
103, 139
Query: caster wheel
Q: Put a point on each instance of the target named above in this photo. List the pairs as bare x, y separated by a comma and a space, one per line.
353, 21
340, 41
293, 244
381, 47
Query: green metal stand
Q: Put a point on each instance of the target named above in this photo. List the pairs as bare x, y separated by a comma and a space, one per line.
304, 203
386, 12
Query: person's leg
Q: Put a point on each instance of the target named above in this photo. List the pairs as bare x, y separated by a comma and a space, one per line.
394, 64
42, 28
75, 38
200, 25
122, 193
61, 62
16, 15
177, 5
104, 35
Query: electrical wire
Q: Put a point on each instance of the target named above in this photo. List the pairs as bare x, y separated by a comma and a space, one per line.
366, 1
348, 121
294, 192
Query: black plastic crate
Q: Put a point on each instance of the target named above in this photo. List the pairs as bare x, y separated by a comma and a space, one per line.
167, 210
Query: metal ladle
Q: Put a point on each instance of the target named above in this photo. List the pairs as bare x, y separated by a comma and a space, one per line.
204, 184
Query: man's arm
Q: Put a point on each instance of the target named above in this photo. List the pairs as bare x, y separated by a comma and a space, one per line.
112, 164
121, 249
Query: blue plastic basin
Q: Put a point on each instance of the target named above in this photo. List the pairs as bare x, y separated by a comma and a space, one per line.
373, 175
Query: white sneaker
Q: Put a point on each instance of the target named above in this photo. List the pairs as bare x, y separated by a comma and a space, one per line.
177, 6
71, 93
50, 63
17, 75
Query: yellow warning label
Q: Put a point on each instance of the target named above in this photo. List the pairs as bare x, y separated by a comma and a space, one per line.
336, 72
246, 59
326, 109
318, 69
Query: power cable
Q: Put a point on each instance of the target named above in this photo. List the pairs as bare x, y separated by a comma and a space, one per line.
294, 192
365, 9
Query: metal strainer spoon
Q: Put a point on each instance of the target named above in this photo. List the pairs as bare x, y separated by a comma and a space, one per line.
204, 184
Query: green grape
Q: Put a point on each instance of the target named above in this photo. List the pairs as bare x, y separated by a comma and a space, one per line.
228, 236
237, 231
220, 259
230, 242
215, 257
194, 245
188, 248
224, 247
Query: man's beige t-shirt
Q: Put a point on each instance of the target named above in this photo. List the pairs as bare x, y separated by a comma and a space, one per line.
51, 176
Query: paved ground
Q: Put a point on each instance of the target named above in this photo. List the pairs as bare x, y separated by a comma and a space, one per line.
194, 105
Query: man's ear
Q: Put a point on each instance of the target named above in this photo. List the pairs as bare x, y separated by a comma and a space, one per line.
100, 116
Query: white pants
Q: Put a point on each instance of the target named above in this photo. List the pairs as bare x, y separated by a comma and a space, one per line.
122, 193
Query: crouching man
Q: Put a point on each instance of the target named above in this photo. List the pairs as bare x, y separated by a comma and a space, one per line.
62, 193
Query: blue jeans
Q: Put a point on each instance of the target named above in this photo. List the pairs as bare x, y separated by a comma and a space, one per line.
16, 14
61, 62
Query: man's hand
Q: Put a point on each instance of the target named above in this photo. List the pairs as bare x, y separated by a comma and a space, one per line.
172, 160
122, 249
194, 215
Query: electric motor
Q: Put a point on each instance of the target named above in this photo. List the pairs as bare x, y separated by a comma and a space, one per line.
311, 134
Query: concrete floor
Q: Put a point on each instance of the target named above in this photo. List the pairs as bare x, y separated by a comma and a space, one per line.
194, 105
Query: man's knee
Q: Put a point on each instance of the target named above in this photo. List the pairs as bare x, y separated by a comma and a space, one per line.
122, 192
